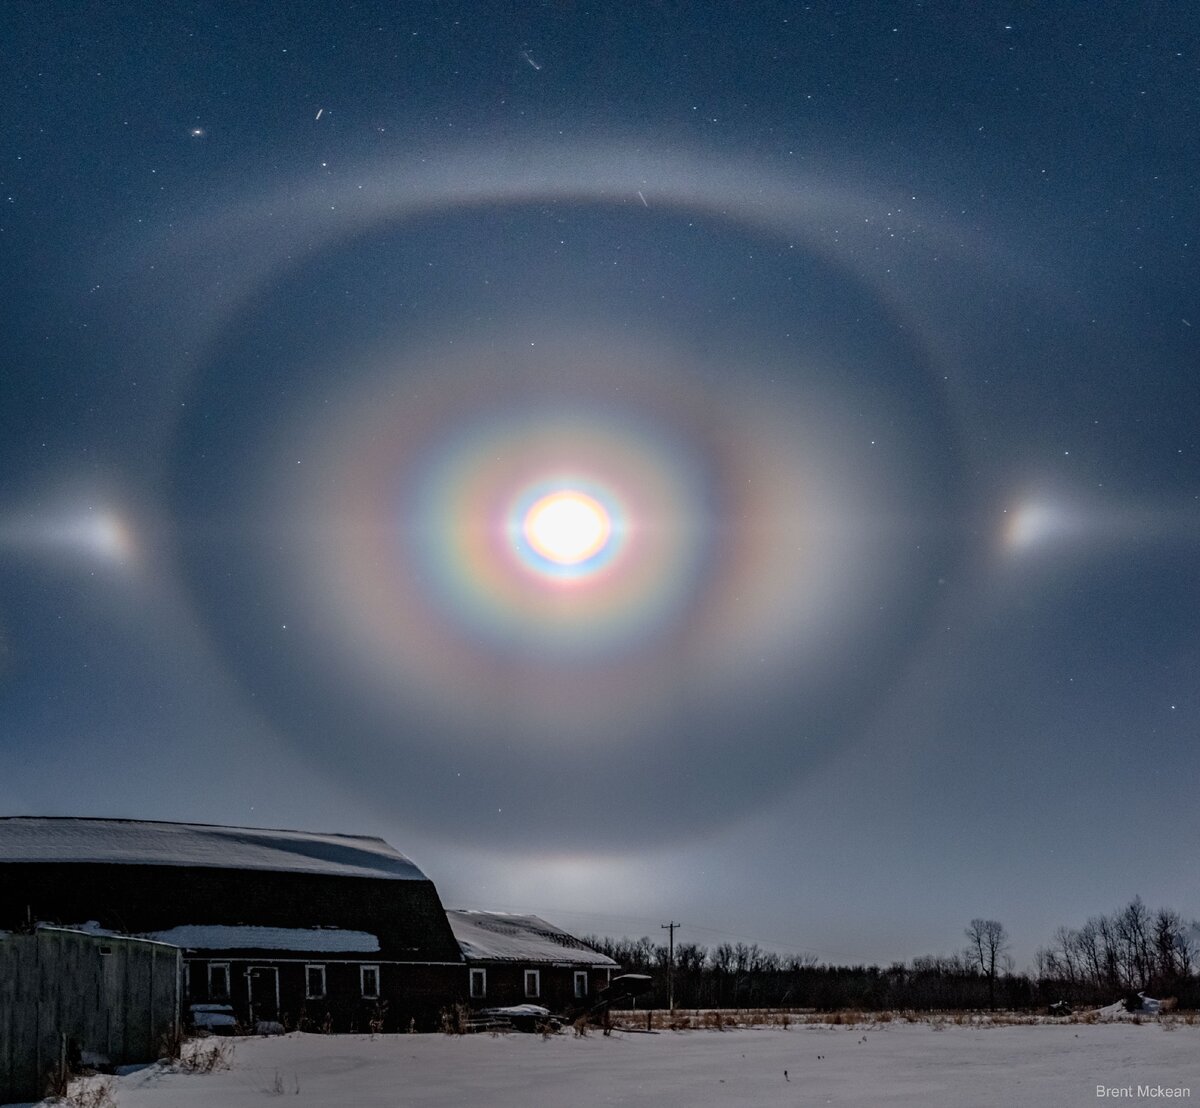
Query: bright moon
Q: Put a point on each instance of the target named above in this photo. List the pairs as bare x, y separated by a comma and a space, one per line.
567, 527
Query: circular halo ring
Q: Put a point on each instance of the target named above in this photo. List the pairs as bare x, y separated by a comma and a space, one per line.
719, 659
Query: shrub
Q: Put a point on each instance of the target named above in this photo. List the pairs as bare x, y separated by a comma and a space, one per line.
454, 1020
94, 1095
207, 1059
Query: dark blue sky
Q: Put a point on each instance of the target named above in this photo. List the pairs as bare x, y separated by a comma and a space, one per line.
873, 327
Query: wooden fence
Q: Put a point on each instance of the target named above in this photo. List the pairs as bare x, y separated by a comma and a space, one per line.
68, 997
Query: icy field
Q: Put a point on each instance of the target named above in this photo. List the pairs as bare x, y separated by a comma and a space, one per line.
898, 1064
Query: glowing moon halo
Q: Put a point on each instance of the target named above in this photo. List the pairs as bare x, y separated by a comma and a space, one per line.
567, 527
738, 570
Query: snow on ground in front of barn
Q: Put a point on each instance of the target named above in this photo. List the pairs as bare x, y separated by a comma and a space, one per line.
896, 1064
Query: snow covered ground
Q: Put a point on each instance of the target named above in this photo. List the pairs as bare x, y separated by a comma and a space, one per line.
895, 1064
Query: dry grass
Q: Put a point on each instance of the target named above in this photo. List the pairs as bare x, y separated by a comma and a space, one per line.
278, 1087
710, 1019
204, 1056
721, 1019
88, 1092
455, 1020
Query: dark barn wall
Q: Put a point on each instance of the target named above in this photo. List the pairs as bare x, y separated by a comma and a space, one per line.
407, 916
506, 985
410, 994
66, 994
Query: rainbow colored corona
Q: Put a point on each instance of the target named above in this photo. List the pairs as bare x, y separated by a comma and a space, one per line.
571, 526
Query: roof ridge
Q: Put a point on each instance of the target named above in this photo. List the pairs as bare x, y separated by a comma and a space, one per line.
109, 841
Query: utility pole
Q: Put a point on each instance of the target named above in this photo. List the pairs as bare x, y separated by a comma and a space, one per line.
670, 929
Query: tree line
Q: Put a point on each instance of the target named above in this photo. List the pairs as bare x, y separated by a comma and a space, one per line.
1109, 957
1131, 950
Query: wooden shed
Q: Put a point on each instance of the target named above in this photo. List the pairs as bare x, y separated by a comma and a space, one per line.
68, 999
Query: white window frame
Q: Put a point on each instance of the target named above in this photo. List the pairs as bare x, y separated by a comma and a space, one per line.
478, 984
536, 991
363, 973
581, 984
225, 994
187, 979
308, 990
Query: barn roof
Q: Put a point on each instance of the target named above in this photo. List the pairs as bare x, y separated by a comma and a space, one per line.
501, 937
139, 842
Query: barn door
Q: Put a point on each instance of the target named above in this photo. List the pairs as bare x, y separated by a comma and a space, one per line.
263, 986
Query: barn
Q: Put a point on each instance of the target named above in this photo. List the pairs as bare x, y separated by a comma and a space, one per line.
516, 959
340, 932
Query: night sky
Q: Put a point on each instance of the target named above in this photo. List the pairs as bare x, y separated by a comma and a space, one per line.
731, 463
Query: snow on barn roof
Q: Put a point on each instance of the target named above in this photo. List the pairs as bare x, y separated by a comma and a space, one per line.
218, 936
303, 940
140, 842
500, 937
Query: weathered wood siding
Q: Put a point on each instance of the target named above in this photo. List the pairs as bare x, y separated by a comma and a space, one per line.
107, 1000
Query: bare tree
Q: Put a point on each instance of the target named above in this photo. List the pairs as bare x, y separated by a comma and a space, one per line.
1174, 949
987, 944
1132, 929
690, 957
1091, 956
1065, 955
1108, 947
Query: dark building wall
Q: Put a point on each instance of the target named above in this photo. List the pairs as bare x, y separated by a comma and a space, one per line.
406, 915
506, 985
410, 994
65, 996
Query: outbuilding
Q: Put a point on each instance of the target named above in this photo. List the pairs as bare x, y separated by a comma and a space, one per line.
69, 999
521, 959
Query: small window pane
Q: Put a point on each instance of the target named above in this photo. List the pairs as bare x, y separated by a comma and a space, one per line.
370, 982
314, 982
532, 983
580, 984
478, 983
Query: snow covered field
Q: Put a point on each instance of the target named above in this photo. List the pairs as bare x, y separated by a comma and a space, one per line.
896, 1064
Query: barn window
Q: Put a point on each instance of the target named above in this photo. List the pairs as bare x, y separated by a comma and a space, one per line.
478, 983
580, 984
369, 977
533, 982
218, 980
314, 982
